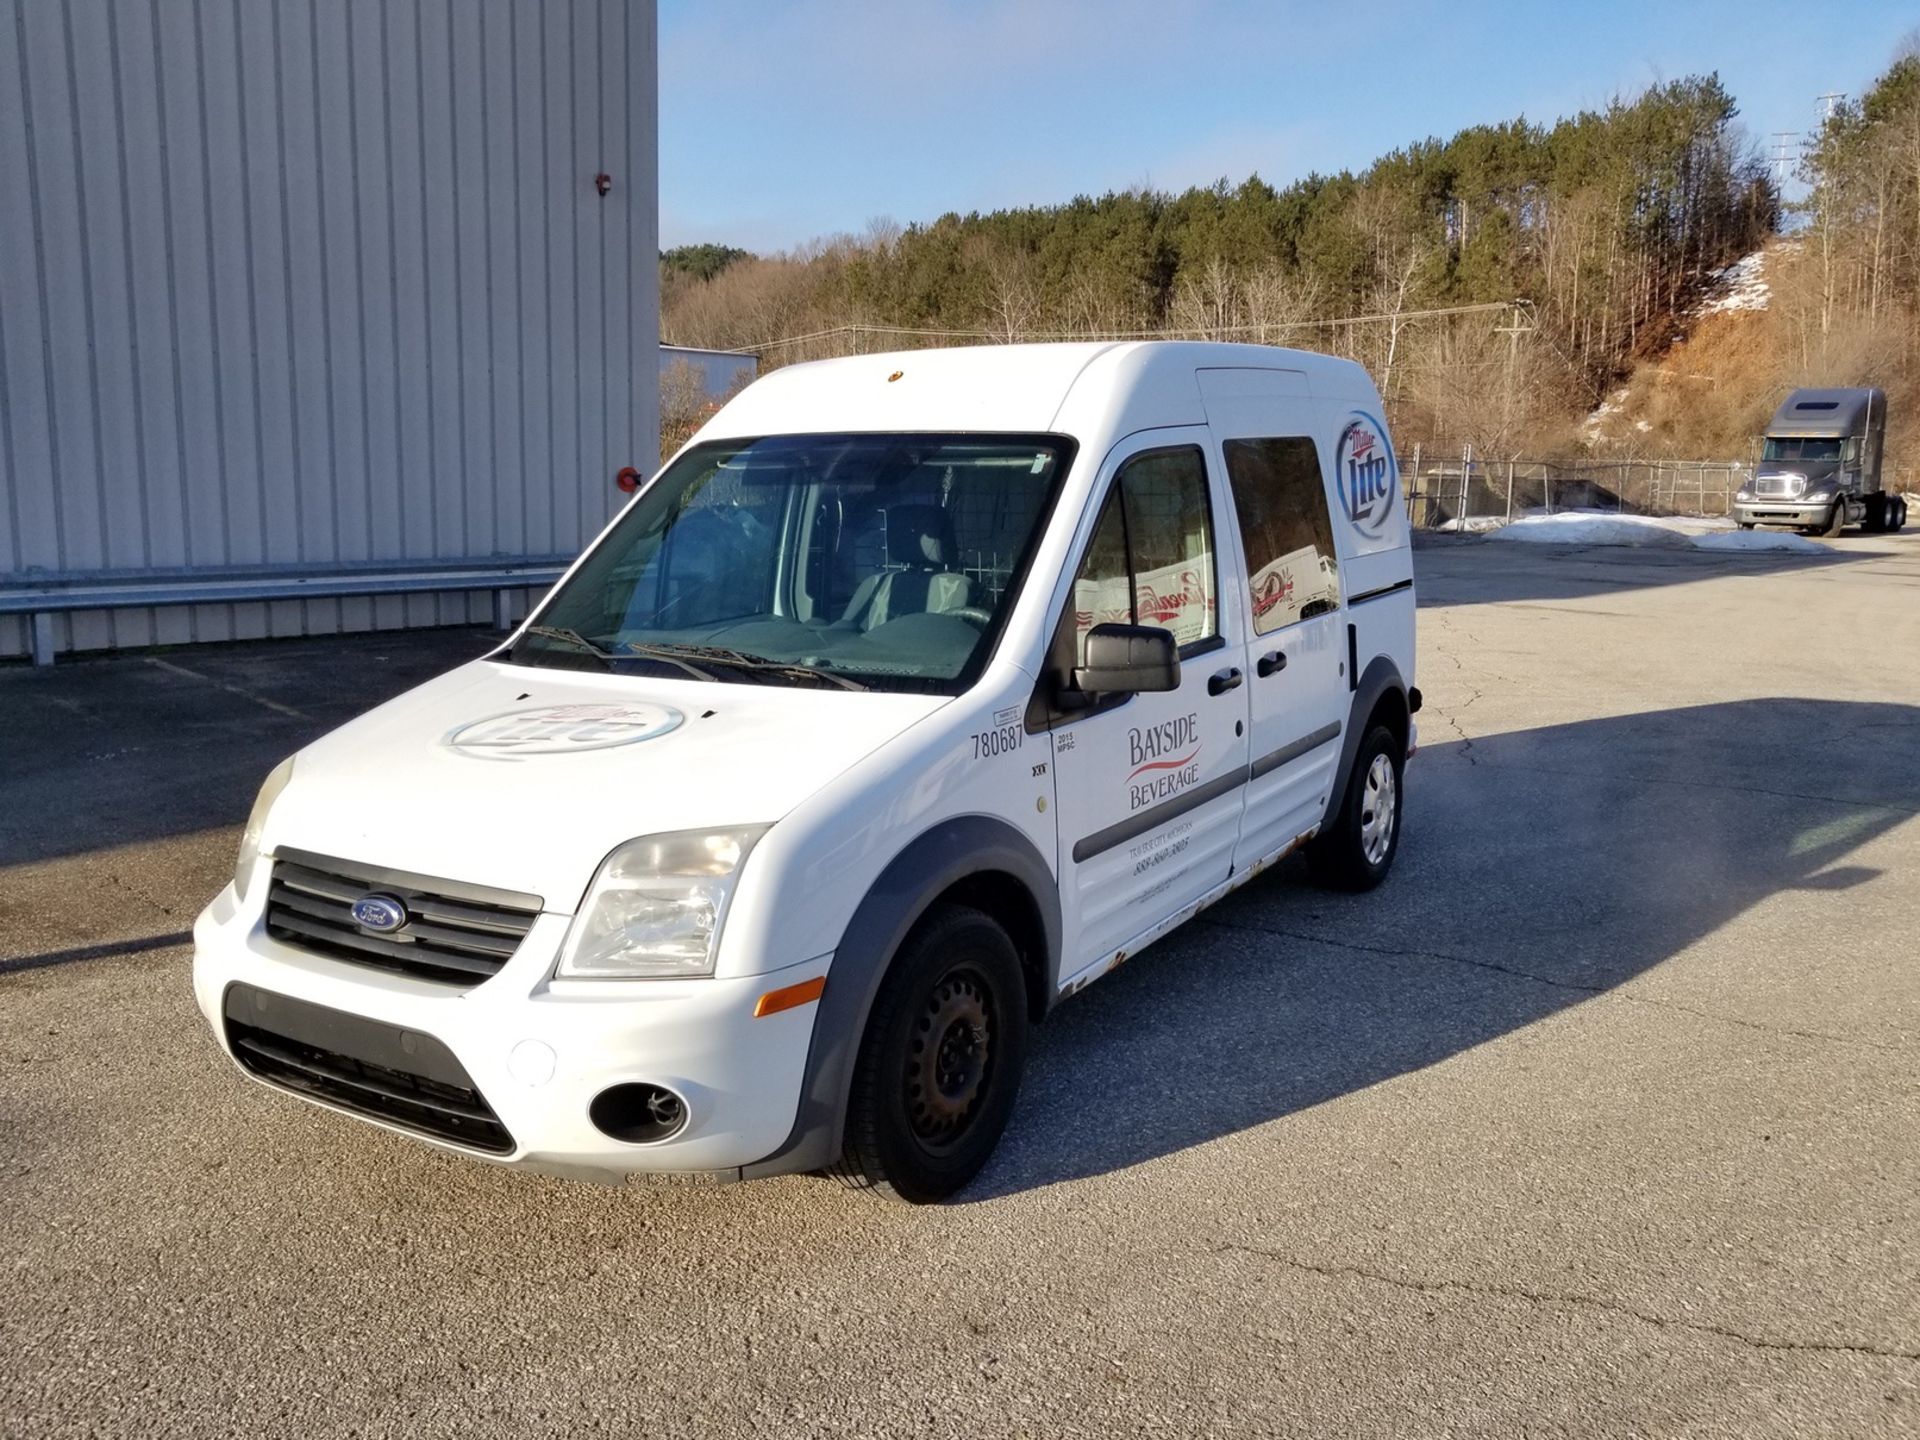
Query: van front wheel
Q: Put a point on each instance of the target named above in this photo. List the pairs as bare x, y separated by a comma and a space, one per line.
940, 1062
1356, 849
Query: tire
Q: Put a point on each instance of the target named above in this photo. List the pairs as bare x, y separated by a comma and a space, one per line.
1900, 513
1837, 521
940, 1062
1356, 851
1879, 515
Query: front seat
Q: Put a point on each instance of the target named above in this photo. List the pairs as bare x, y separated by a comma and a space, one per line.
913, 578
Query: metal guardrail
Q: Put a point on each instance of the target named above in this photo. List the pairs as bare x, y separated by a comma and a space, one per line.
40, 599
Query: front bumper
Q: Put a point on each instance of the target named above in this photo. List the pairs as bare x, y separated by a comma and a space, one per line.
1783, 512
538, 1051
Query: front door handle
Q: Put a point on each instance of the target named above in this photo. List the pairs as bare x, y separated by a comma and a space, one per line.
1270, 662
1223, 681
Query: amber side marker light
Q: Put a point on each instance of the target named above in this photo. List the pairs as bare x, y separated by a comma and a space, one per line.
789, 996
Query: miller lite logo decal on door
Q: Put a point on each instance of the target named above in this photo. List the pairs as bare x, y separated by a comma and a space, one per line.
1365, 474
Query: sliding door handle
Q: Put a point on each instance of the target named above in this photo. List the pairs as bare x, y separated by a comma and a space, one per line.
1270, 662
1223, 681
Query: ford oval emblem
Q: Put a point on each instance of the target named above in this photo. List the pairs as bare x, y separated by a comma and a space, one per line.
379, 912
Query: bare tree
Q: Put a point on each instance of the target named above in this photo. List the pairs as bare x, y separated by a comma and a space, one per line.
1206, 301
1013, 298
1392, 291
1278, 304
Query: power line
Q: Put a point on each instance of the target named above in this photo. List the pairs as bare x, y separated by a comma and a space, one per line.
1517, 310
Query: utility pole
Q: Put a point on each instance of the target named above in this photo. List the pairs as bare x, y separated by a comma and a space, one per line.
1518, 323
1785, 155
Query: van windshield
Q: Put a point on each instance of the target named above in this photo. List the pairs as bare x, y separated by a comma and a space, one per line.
882, 562
1794, 448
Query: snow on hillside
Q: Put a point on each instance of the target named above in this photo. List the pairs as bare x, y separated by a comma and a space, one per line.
1740, 286
1591, 427
1734, 291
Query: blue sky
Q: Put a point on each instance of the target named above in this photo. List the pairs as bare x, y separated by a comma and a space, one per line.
782, 122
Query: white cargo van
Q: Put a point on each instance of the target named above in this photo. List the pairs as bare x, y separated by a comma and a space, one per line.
917, 693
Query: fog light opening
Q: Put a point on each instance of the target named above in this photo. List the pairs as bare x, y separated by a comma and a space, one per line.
638, 1114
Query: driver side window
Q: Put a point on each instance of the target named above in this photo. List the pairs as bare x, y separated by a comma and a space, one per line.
1151, 559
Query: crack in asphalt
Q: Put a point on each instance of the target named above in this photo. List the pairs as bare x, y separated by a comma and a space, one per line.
1609, 992
1448, 714
1570, 1299
122, 883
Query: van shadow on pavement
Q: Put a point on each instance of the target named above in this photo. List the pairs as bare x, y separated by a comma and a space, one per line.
1538, 869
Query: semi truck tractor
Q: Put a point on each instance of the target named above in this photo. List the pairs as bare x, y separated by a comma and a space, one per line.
1819, 469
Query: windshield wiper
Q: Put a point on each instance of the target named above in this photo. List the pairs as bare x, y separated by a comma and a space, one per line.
567, 637
740, 660
684, 656
645, 652
670, 654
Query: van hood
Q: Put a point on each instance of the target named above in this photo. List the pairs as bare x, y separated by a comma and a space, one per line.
524, 779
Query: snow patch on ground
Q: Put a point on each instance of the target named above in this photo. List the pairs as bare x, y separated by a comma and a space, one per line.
1757, 540
1740, 286
1594, 527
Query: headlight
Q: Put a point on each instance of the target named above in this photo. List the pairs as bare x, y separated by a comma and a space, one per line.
247, 861
1819, 495
1743, 495
655, 909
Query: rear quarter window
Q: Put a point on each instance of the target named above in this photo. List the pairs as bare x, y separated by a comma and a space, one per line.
1280, 500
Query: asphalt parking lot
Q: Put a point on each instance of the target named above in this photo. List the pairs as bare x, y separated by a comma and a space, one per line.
1601, 1117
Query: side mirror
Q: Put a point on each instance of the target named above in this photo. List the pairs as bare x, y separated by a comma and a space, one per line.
1129, 659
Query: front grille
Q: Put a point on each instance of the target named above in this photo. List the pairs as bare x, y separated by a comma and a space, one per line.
400, 1076
1779, 486
455, 933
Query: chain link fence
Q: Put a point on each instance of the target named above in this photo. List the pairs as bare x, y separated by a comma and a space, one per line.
1461, 492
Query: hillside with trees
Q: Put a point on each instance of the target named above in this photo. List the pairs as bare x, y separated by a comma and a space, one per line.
1833, 301
1500, 284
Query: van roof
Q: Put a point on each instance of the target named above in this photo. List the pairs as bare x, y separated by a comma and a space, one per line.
1017, 388
1821, 413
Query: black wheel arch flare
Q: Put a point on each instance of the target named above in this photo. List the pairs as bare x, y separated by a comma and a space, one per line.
1380, 679
939, 860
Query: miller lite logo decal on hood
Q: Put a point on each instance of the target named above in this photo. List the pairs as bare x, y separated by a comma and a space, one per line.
563, 729
1365, 474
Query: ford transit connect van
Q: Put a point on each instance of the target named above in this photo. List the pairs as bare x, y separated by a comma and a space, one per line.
912, 697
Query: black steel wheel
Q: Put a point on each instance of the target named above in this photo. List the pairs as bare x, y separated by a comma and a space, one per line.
940, 1062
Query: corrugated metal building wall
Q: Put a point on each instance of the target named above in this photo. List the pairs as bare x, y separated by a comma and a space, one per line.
296, 282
